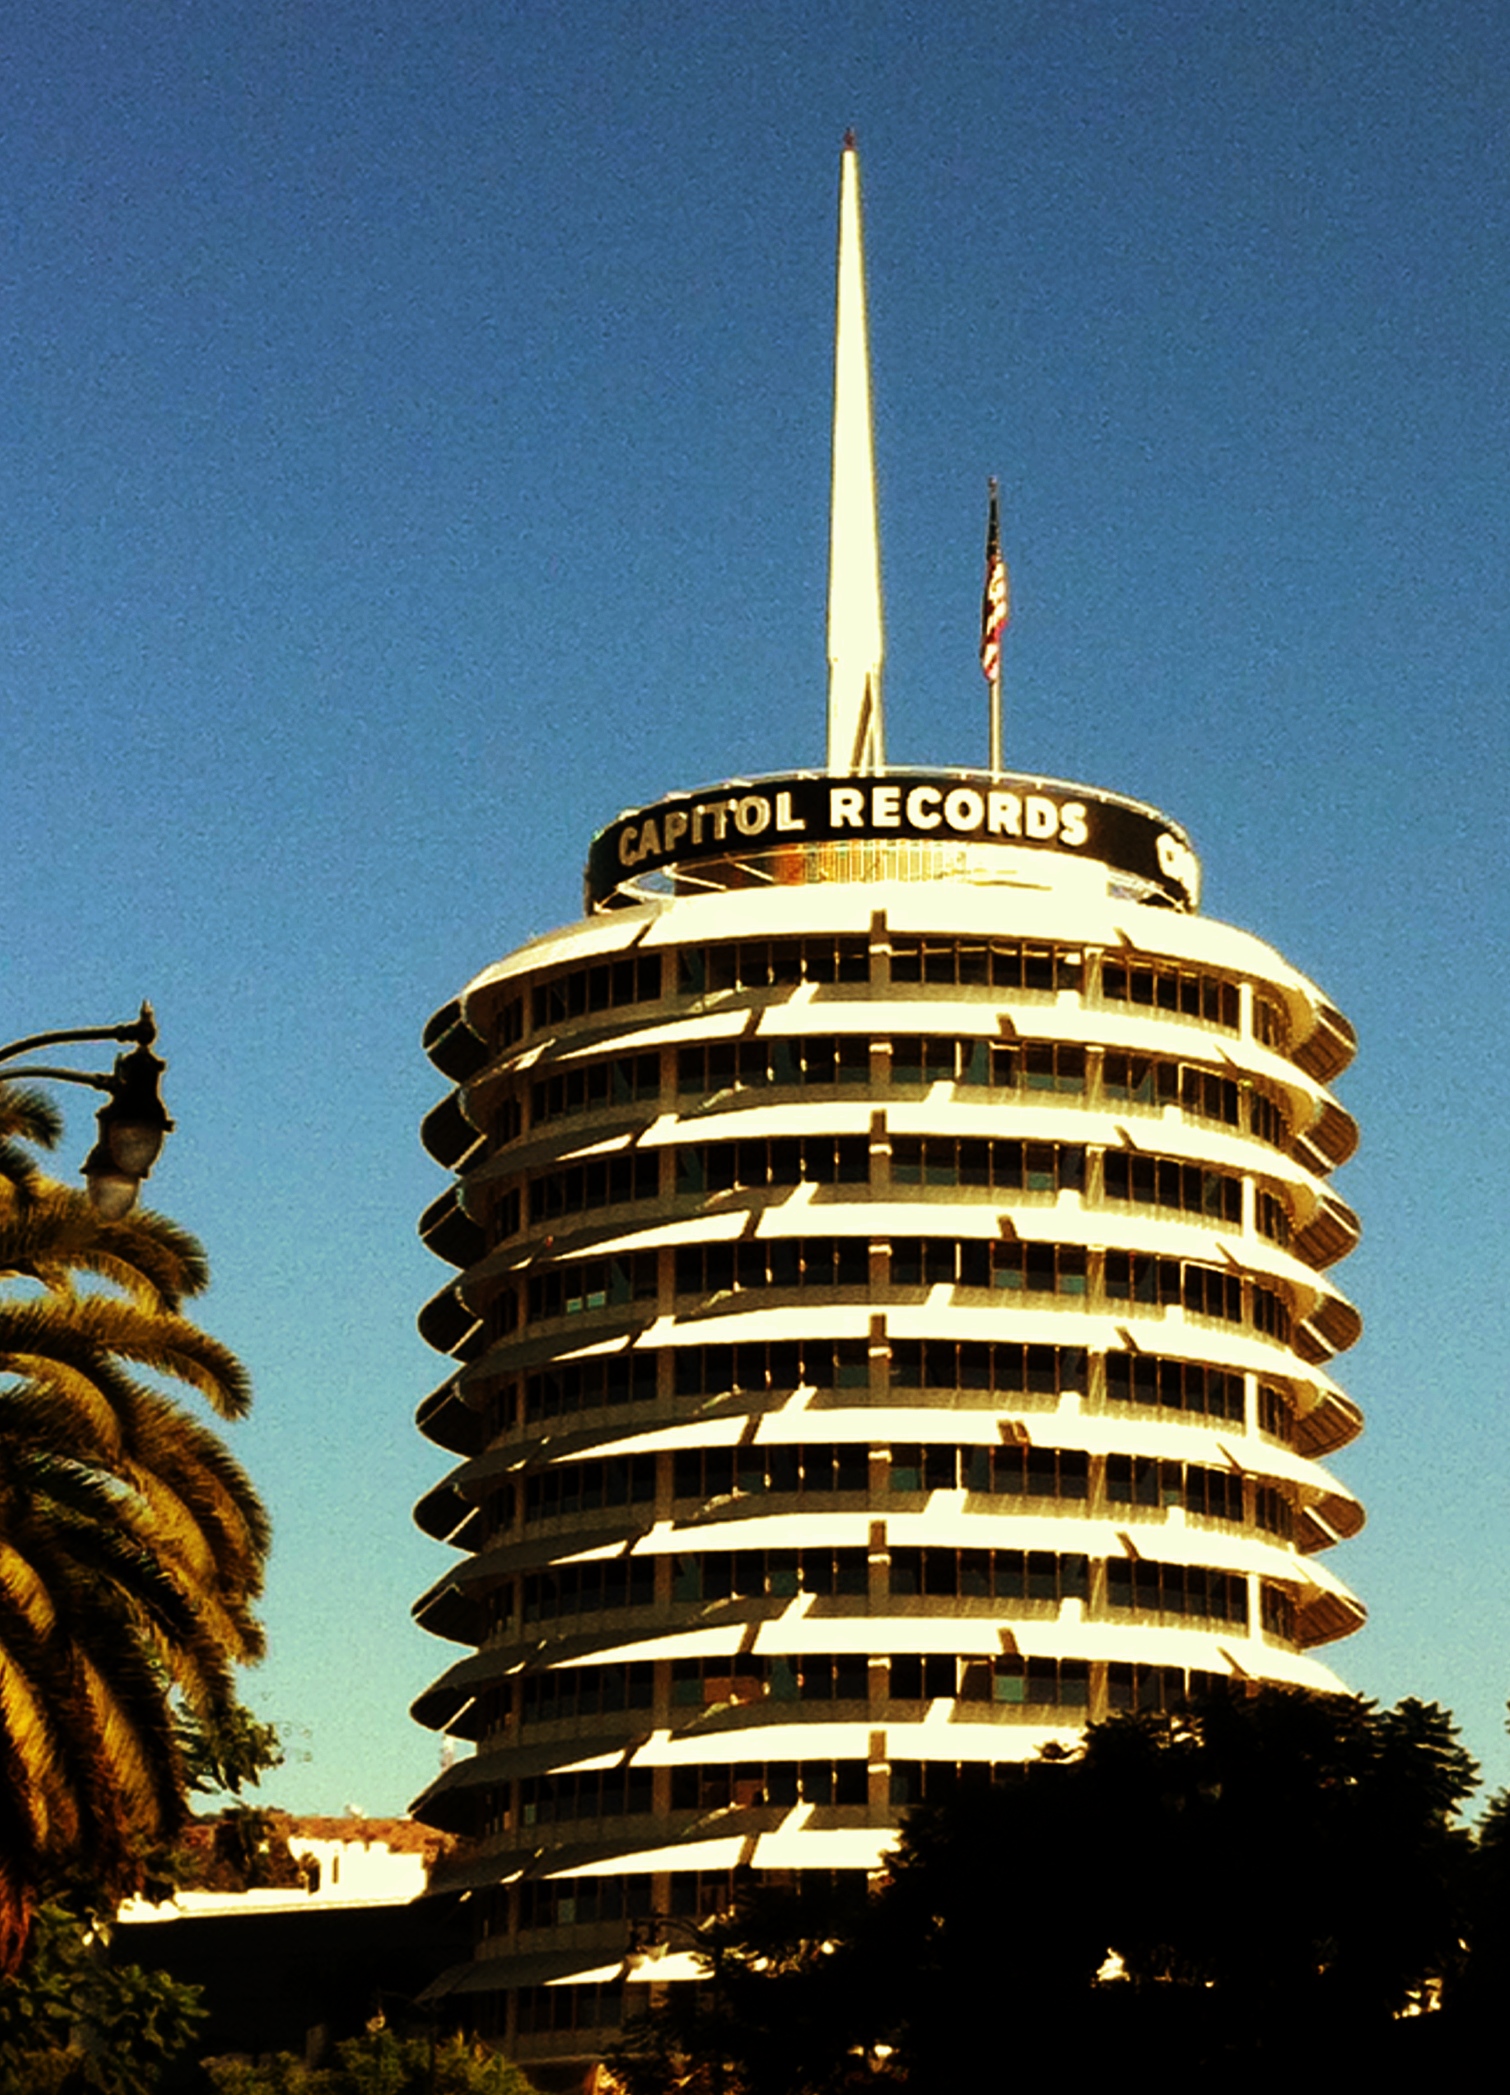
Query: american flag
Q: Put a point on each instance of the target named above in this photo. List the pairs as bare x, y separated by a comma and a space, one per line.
996, 601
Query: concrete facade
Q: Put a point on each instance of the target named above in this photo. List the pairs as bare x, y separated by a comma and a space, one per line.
892, 1326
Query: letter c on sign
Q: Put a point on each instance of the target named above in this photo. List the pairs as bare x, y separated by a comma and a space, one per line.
627, 852
923, 807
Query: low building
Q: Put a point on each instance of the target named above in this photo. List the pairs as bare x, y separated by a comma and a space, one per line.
297, 1966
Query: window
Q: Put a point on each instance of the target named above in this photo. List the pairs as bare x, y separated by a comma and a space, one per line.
1151, 1080
1207, 1096
758, 1574
1137, 1480
1140, 1080
583, 1902
1270, 1026
936, 1781
1161, 986
1158, 1282
1190, 1590
587, 1385
927, 1262
985, 964
589, 1087
1135, 1687
1174, 1385
1273, 1217
1042, 1269
922, 1059
493, 1714
783, 1365
1031, 1683
1165, 1183
1276, 1414
1010, 1471
773, 1262
923, 1677
750, 1785
749, 1677
1276, 1612
586, 1487
589, 1589
916, 1467
762, 963
508, 1026
699, 1894
636, 979
982, 1262
927, 1058
1008, 1370
706, 1473
988, 1574
1267, 1121
738, 1065
1273, 1512
1271, 1314
593, 1283
1055, 1683
1209, 1292
542, 2009
596, 1793
824, 1160
705, 1683
601, 1182
1032, 1167
567, 1694
1052, 1066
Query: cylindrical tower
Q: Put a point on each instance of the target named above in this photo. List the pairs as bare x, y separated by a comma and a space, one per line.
892, 1329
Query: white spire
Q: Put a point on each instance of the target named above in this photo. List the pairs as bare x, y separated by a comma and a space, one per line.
855, 738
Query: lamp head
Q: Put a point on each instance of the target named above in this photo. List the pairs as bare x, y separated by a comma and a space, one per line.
132, 1126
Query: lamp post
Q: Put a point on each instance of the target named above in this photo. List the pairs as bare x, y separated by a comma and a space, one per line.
133, 1123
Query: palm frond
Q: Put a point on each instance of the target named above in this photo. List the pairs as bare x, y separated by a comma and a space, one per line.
49, 1327
52, 1231
28, 1115
132, 1543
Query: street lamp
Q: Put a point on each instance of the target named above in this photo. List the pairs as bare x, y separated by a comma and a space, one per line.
132, 1124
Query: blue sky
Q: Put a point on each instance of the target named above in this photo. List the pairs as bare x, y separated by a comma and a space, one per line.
413, 449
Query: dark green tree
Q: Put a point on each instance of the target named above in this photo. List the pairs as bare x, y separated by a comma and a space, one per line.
380, 2062
1217, 1886
787, 2007
72, 2023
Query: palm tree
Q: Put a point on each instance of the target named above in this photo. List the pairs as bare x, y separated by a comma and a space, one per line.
132, 1545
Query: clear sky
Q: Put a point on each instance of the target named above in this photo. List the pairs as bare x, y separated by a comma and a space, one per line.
414, 449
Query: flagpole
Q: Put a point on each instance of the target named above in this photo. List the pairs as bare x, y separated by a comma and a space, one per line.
995, 611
